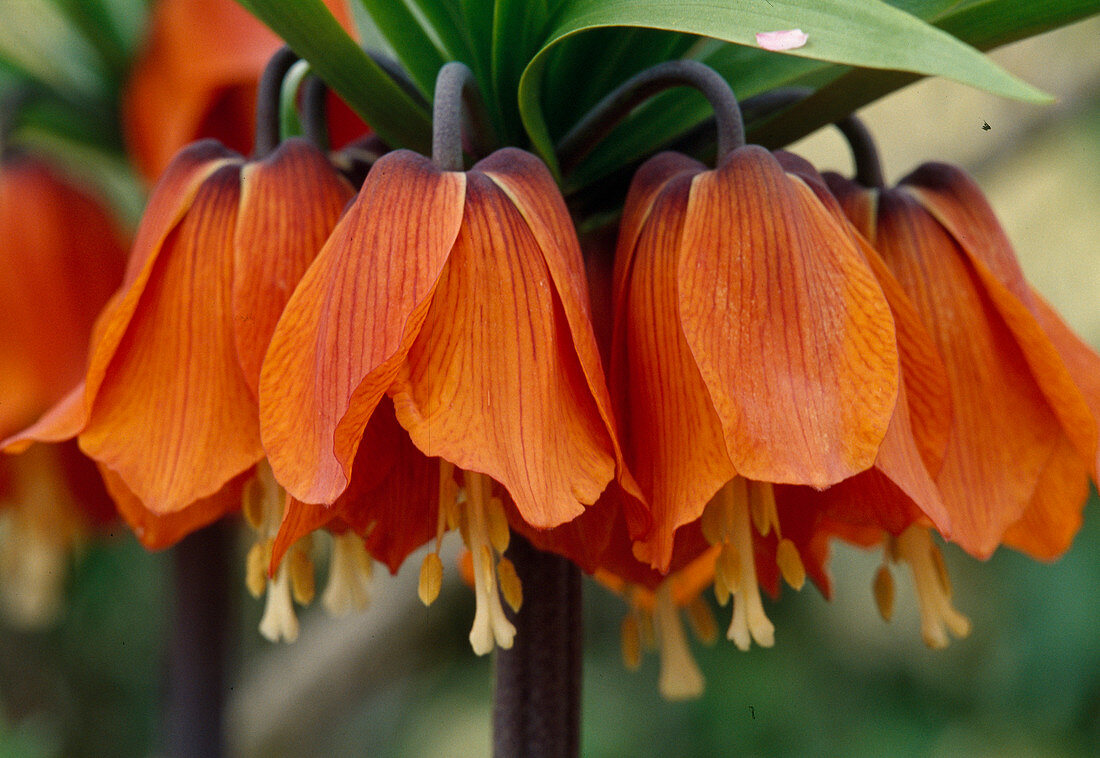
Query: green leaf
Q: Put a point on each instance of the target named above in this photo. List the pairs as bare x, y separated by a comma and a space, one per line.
866, 33
518, 26
415, 48
38, 39
312, 32
985, 25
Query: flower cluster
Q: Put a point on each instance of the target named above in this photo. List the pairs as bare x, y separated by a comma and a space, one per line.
763, 361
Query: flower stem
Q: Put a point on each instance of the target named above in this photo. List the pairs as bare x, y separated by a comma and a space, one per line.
197, 649
599, 121
268, 99
456, 95
538, 681
864, 153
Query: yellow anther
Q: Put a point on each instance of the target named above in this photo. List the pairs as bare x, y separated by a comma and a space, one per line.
703, 624
728, 569
765, 515
499, 533
301, 575
252, 503
431, 578
631, 642
510, 586
884, 592
790, 564
256, 563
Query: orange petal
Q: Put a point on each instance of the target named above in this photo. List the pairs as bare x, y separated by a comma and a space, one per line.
1003, 430
1081, 361
171, 200
157, 532
531, 188
792, 334
922, 371
344, 333
173, 416
290, 201
494, 384
196, 77
957, 203
674, 440
63, 256
1053, 516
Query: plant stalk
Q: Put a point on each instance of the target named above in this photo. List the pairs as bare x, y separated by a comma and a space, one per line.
536, 712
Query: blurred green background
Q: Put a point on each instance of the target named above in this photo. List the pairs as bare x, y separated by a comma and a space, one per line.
400, 680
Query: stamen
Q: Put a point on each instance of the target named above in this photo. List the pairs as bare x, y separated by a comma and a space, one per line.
490, 622
937, 615
263, 504
631, 641
884, 592
38, 532
680, 677
349, 575
702, 621
279, 622
790, 564
733, 525
510, 586
431, 578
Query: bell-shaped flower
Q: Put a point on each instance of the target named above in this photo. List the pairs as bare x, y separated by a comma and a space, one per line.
461, 296
167, 405
752, 340
62, 254
1024, 389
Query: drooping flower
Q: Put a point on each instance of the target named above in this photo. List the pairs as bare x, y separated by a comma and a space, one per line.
64, 255
752, 346
167, 405
1024, 389
196, 78
461, 296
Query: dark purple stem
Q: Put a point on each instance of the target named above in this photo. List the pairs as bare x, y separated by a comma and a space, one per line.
538, 682
195, 700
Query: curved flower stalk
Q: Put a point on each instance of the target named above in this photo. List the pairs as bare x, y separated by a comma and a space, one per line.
167, 405
461, 296
1024, 390
196, 78
64, 255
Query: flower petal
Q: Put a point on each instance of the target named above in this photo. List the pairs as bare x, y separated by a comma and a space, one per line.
957, 203
493, 383
1003, 429
674, 440
158, 531
344, 333
792, 334
1053, 516
290, 201
173, 416
531, 188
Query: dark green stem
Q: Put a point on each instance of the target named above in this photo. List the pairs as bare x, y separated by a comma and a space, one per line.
864, 154
268, 99
607, 114
456, 96
314, 113
536, 711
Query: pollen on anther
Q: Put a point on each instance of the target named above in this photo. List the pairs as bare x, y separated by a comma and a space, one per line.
431, 578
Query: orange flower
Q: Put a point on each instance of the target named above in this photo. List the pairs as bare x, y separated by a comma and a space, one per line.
62, 255
461, 295
1024, 389
196, 77
167, 405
